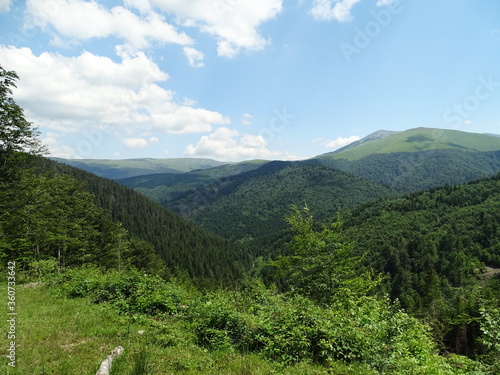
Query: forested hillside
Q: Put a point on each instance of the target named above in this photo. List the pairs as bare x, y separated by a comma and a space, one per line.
179, 242
392, 286
253, 204
433, 247
164, 187
420, 170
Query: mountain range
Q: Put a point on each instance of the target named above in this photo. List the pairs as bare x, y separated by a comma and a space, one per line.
421, 206
250, 199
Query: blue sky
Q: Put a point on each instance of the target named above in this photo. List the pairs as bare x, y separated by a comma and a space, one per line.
245, 79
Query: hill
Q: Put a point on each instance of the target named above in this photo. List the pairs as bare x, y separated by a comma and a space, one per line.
378, 135
179, 242
433, 246
163, 187
416, 171
255, 203
419, 139
114, 169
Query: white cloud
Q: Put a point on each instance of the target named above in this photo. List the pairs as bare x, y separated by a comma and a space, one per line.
339, 10
57, 147
135, 142
189, 102
229, 145
245, 119
341, 142
68, 94
5, 5
82, 20
234, 23
194, 57
142, 5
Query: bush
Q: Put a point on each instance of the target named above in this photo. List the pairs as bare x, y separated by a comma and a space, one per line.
288, 329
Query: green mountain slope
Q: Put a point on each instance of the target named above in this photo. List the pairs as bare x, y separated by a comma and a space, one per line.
449, 230
255, 203
420, 139
416, 171
181, 243
163, 187
114, 169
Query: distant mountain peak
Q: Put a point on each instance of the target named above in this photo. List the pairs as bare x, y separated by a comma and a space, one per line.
413, 140
375, 136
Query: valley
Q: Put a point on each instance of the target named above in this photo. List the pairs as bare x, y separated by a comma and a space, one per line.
318, 238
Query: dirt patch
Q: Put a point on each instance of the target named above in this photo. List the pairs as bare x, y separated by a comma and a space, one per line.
490, 272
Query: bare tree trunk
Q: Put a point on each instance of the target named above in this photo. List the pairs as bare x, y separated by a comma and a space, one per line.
105, 367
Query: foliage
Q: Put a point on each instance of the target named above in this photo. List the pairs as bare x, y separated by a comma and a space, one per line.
323, 266
52, 216
410, 172
490, 327
369, 333
16, 133
179, 243
129, 291
433, 247
254, 203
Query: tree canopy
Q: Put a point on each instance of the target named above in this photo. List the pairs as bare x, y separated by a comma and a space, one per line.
16, 133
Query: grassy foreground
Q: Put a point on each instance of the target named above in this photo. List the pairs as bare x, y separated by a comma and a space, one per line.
57, 335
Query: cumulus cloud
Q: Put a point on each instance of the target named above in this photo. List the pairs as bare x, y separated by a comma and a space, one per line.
194, 57
135, 142
57, 147
339, 10
234, 23
341, 142
5, 5
71, 19
229, 145
246, 119
139, 23
69, 93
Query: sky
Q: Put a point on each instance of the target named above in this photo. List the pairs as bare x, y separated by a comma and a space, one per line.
236, 80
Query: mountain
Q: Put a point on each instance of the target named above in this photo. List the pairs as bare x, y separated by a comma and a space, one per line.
433, 247
255, 203
179, 242
378, 135
414, 140
419, 159
163, 187
114, 169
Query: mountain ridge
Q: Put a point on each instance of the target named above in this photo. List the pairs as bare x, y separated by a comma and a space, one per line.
124, 168
416, 139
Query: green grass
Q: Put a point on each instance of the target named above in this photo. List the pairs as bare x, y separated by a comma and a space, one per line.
422, 139
56, 335
62, 336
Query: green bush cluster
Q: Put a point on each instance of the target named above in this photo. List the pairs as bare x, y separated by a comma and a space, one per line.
284, 328
129, 291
